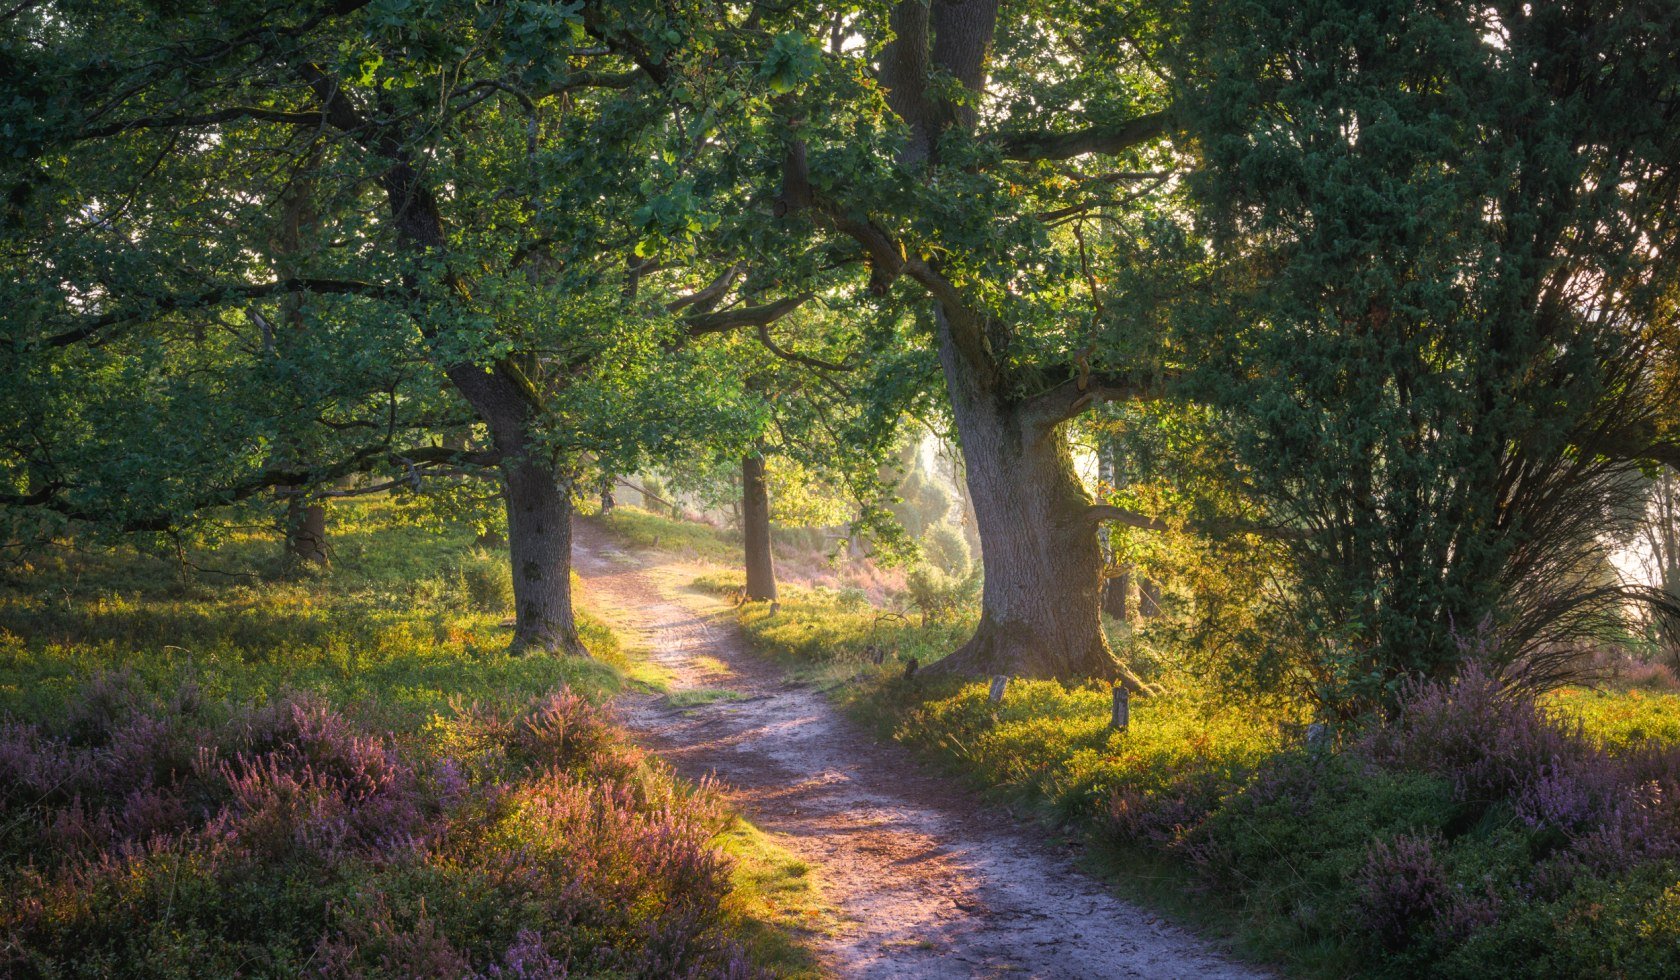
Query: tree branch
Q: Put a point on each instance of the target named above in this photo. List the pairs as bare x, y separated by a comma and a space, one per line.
1108, 139
1077, 394
700, 324
796, 358
706, 299
203, 119
214, 297
1099, 513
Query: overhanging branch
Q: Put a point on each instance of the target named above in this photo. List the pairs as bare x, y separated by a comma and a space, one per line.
1107, 139
700, 324
214, 297
1101, 513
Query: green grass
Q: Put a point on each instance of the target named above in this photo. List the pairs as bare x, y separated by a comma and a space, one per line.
688, 539
777, 900
1621, 718
393, 632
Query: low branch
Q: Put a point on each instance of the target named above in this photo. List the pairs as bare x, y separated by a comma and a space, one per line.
705, 300
1109, 139
1101, 513
360, 461
1074, 396
797, 358
190, 121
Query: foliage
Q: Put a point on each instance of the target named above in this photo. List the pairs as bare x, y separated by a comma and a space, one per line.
645, 529
1447, 263
941, 595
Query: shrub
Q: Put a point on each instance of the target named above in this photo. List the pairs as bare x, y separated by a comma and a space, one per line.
938, 594
485, 580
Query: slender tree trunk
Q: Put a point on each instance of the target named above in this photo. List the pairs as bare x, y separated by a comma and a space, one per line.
539, 516
1149, 597
755, 530
1041, 604
305, 522
306, 533
1117, 591
1117, 596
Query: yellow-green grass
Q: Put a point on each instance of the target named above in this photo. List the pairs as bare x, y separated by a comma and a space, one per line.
1621, 718
778, 901
1047, 748
689, 539
406, 620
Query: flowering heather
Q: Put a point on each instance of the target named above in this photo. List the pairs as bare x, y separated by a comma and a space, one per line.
284, 838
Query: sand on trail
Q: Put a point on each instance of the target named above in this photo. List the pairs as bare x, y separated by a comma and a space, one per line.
926, 883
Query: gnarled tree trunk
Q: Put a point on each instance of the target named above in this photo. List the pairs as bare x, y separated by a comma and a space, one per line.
755, 530
1041, 604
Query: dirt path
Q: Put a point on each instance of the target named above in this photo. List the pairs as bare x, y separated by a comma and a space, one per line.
927, 885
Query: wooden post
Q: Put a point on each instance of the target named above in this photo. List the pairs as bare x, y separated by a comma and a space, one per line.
999, 682
1121, 718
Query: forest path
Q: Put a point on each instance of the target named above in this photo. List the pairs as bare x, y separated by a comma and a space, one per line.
927, 884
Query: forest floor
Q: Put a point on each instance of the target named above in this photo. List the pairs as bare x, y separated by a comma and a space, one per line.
923, 881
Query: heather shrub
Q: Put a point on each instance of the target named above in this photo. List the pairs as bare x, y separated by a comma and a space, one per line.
1474, 823
293, 836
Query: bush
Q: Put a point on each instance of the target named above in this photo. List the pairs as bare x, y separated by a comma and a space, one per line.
939, 595
485, 581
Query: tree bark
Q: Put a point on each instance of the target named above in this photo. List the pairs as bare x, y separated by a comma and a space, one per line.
306, 533
755, 530
539, 503
1041, 603
1117, 596
539, 516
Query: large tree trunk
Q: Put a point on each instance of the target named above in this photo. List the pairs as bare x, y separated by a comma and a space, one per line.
539, 516
306, 533
1041, 605
755, 530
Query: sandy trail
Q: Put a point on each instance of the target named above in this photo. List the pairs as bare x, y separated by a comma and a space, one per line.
927, 884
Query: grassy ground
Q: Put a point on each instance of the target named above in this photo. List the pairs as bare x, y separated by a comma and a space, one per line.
397, 653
